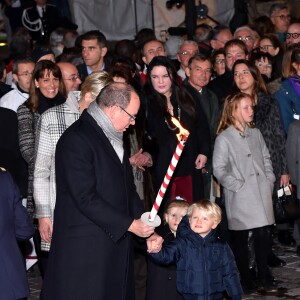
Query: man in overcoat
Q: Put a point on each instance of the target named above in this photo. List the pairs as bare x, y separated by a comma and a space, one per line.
15, 224
97, 208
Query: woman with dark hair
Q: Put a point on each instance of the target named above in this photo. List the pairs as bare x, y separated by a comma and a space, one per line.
166, 99
46, 91
218, 62
248, 79
270, 43
264, 63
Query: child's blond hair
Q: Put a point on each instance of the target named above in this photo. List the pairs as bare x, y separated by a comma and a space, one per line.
211, 208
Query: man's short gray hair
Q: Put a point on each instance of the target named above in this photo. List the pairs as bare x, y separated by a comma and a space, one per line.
115, 94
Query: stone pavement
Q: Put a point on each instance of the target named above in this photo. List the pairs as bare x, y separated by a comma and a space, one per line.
288, 278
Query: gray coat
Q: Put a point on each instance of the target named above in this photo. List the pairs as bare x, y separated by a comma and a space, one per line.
243, 167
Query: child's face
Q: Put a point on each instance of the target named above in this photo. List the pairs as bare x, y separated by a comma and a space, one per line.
201, 222
174, 216
244, 112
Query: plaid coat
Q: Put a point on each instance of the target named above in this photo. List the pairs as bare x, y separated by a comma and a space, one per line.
50, 127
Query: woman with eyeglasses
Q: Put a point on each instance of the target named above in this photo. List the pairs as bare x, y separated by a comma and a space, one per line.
264, 63
248, 79
269, 43
46, 91
218, 63
166, 99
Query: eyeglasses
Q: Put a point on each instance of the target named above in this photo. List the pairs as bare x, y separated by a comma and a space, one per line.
26, 74
267, 66
220, 61
282, 17
73, 78
246, 38
244, 73
266, 47
293, 35
132, 118
192, 53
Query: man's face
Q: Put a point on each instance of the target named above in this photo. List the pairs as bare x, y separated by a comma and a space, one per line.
293, 34
199, 73
232, 55
281, 20
23, 78
93, 54
152, 49
246, 36
70, 76
223, 37
125, 116
185, 53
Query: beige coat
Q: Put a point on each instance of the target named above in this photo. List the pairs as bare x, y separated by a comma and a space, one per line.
243, 167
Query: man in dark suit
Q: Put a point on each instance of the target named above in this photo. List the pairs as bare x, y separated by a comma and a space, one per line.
94, 49
42, 18
14, 224
198, 76
97, 209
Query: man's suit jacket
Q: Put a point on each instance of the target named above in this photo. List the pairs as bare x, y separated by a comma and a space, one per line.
14, 224
95, 205
82, 71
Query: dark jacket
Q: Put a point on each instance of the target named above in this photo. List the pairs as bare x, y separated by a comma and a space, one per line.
268, 121
10, 154
166, 141
96, 202
161, 279
14, 224
209, 104
222, 85
289, 103
205, 266
82, 71
50, 21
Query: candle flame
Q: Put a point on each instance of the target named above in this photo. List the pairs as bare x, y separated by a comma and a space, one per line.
183, 133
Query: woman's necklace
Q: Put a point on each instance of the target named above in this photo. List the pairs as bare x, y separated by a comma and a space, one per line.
179, 115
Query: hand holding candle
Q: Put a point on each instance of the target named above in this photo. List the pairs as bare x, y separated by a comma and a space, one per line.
151, 218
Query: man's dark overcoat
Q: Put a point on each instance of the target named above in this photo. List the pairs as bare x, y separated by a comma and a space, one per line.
15, 224
90, 255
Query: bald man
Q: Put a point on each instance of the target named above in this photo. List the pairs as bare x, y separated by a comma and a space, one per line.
70, 76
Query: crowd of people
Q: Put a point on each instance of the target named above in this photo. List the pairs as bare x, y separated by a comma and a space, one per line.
87, 136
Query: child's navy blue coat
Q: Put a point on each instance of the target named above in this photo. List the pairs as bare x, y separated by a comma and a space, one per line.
205, 266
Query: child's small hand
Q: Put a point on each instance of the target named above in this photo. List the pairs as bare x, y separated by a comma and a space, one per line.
154, 243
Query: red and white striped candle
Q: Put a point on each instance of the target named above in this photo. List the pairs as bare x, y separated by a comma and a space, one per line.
182, 137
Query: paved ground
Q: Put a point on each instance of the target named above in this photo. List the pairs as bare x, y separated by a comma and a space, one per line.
288, 278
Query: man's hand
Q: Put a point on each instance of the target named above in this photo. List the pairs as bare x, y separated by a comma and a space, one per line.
45, 229
141, 159
154, 243
200, 161
139, 228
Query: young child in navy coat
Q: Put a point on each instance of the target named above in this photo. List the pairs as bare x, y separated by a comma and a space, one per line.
205, 264
161, 279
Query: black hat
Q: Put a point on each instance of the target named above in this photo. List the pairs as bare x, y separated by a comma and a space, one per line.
38, 52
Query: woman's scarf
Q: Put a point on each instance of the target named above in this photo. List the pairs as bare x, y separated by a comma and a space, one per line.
295, 81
